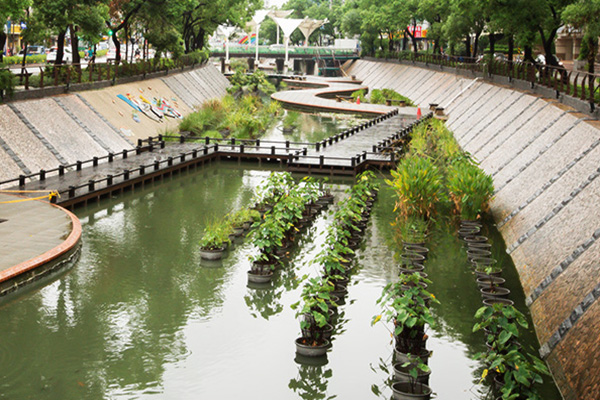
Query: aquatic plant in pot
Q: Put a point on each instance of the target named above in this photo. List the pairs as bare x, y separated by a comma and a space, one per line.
406, 304
313, 311
470, 189
418, 186
412, 379
214, 240
515, 371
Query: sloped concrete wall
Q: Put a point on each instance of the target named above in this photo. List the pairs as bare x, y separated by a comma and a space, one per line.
545, 161
44, 133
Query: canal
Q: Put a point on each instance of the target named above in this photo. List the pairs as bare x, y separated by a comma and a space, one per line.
141, 316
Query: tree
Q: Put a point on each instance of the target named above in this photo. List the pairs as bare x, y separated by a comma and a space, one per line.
585, 14
76, 16
13, 9
200, 18
547, 22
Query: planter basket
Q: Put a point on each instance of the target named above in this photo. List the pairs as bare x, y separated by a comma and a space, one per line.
408, 391
311, 351
401, 374
212, 254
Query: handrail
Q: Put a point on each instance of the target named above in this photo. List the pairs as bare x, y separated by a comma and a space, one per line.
66, 74
578, 84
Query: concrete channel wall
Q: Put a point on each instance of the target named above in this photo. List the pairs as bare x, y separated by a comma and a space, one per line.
545, 161
43, 133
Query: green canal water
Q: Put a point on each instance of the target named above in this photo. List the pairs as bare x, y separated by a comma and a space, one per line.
140, 316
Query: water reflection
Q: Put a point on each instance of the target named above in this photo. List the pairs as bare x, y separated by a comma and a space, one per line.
311, 381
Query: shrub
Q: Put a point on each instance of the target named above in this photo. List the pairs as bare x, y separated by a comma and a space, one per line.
470, 189
418, 186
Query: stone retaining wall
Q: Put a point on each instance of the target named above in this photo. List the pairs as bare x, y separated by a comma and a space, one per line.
43, 133
545, 161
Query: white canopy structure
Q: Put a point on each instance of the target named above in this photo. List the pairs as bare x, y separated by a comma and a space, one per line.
279, 14
258, 18
288, 26
226, 31
308, 26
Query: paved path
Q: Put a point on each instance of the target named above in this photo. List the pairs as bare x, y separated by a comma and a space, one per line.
30, 229
315, 98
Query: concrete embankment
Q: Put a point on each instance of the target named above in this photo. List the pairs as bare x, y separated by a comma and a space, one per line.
44, 133
544, 158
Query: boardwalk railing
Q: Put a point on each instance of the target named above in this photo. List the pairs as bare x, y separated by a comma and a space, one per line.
294, 154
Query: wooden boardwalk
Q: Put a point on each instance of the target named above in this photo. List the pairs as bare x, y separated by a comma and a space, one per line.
372, 144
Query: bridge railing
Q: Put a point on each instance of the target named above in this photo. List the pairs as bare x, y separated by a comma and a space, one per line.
280, 51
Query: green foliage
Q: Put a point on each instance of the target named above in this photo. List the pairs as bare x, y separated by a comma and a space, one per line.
418, 186
470, 189
379, 96
520, 371
406, 303
255, 83
33, 59
7, 82
215, 235
362, 93
246, 118
239, 64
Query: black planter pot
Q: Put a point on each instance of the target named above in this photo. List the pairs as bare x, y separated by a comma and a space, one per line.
415, 249
468, 231
401, 374
340, 291
475, 239
494, 292
477, 253
408, 391
491, 302
490, 281
208, 254
260, 278
412, 259
306, 349
411, 269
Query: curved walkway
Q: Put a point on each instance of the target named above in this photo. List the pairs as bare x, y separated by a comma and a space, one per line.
320, 93
35, 235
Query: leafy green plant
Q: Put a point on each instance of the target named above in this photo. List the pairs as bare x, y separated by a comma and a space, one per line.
379, 96
7, 83
406, 304
215, 235
470, 189
418, 186
313, 309
519, 371
413, 229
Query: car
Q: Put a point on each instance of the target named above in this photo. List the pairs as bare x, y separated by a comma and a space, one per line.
541, 59
67, 55
34, 50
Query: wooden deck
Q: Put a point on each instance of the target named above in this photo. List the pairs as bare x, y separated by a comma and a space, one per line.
373, 144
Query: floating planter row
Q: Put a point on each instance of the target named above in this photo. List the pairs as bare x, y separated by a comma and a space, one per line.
512, 372
322, 295
407, 305
286, 208
219, 234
